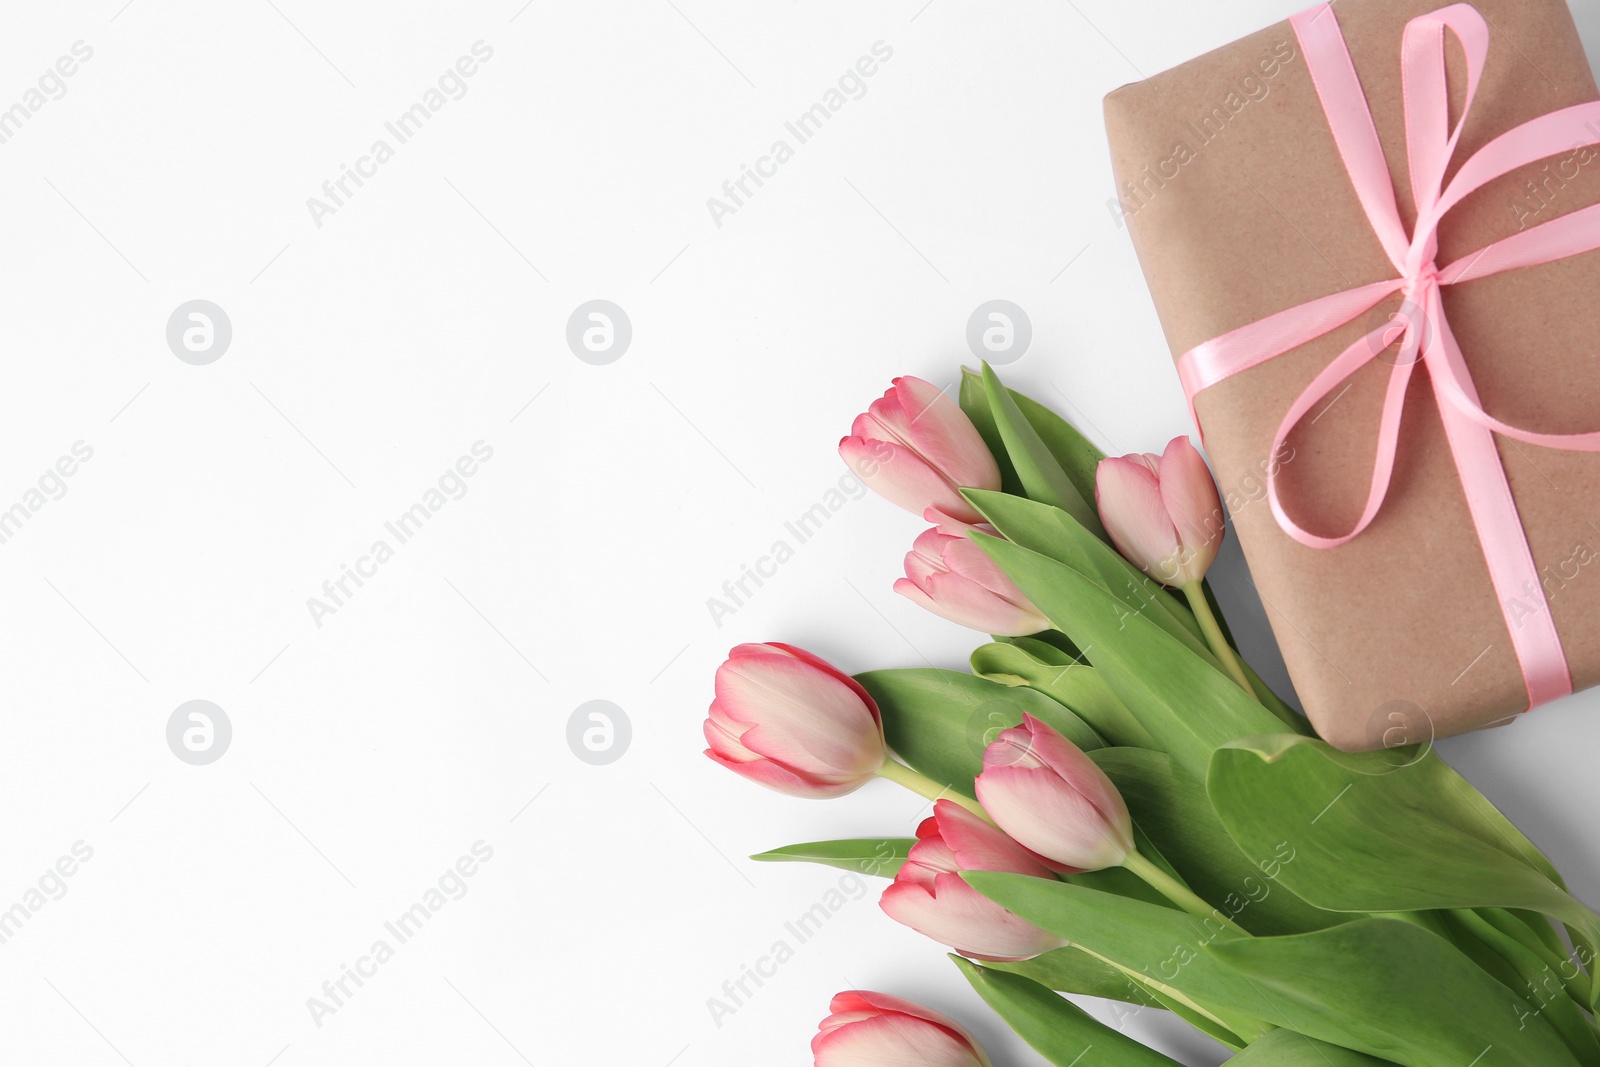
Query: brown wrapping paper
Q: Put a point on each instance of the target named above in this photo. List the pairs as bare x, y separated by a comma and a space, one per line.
1239, 206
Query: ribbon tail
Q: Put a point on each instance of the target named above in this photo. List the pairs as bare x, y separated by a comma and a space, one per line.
1512, 571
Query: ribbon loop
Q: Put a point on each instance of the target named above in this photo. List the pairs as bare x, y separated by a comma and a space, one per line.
1347, 363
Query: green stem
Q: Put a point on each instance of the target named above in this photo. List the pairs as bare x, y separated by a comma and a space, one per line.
1213, 631
924, 786
1176, 891
1557, 952
1569, 1019
1526, 933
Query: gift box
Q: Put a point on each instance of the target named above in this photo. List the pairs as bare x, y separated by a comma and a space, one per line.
1246, 179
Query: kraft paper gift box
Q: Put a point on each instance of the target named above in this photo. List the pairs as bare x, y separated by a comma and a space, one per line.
1240, 205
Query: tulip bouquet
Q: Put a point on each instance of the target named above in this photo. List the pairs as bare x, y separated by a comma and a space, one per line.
1123, 809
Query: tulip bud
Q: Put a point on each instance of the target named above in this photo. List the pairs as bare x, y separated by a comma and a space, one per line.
929, 895
875, 1029
1162, 512
1051, 798
956, 580
793, 722
917, 448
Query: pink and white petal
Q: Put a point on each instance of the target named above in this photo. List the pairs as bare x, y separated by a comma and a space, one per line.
1039, 811
892, 1040
781, 691
889, 415
926, 555
850, 1000
1080, 772
957, 600
930, 856
1131, 508
951, 526
979, 846
974, 925
919, 567
882, 1002
823, 665
931, 542
844, 1018
941, 431
915, 876
800, 753
959, 917
913, 592
1030, 805
1012, 747
754, 648
776, 687
902, 477
967, 603
723, 736
782, 780
908, 902
927, 829
966, 557
887, 1002
1189, 495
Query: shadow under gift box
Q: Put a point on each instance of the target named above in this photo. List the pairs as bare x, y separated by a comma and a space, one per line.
1240, 206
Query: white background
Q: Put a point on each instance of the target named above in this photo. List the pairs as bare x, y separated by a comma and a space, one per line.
429, 313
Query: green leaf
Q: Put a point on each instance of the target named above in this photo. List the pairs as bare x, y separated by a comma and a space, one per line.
870, 855
1189, 706
1074, 684
1285, 1048
1170, 806
1159, 944
1371, 835
1040, 473
975, 402
1052, 646
1053, 533
1045, 651
1078, 456
1390, 989
1058, 1030
940, 721
1212, 1029
1069, 970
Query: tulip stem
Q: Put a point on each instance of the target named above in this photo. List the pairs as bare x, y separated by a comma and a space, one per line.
1176, 891
924, 786
1213, 631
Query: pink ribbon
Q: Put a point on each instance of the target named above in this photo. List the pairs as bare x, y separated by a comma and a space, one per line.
1421, 328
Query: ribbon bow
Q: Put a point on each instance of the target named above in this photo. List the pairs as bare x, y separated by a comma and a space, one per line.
1421, 329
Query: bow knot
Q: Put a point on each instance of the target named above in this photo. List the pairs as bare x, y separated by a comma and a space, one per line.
1419, 280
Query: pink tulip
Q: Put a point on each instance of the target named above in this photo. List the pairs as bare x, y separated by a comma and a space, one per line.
793, 722
930, 896
955, 579
1051, 798
878, 1030
1162, 512
916, 448
954, 527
